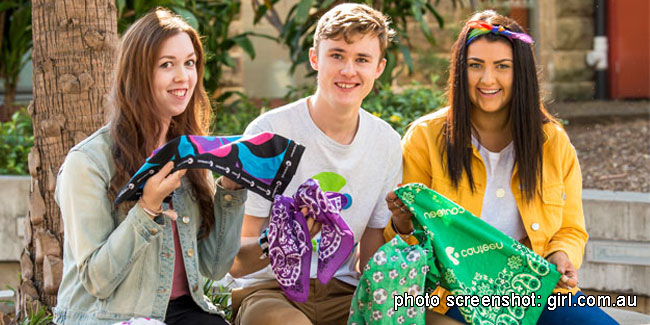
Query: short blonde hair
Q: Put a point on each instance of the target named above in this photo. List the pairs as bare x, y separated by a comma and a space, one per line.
349, 19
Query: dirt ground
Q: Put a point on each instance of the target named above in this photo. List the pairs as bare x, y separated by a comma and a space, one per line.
614, 151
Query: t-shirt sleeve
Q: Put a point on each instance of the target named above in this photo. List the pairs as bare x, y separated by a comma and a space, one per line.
381, 213
256, 205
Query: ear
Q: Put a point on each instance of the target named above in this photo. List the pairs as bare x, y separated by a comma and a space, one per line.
313, 58
380, 68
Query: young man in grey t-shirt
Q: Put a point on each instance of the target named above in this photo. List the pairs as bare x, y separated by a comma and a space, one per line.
347, 149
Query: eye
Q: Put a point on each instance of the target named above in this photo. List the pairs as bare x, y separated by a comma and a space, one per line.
190, 63
503, 66
362, 60
474, 65
166, 65
337, 56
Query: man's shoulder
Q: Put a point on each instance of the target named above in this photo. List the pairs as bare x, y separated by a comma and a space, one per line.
277, 119
379, 127
283, 111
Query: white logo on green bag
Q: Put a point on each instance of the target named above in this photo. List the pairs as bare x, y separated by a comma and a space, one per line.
480, 249
444, 212
452, 256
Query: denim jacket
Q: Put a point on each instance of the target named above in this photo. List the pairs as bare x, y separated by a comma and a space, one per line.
118, 266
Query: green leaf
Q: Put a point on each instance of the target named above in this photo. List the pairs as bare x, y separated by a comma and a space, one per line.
188, 16
406, 54
120, 6
302, 12
326, 4
441, 21
416, 9
259, 13
8, 5
246, 45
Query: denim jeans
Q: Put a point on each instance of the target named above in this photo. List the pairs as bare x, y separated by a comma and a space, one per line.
560, 315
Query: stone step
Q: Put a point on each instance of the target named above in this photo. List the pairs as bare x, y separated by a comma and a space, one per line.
617, 256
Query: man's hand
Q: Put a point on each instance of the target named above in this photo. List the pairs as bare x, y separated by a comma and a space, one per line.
313, 225
400, 214
569, 277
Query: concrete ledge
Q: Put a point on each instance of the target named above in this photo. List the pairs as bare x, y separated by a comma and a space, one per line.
600, 195
595, 108
625, 317
6, 301
14, 204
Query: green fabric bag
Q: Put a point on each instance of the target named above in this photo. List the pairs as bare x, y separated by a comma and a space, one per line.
469, 258
395, 268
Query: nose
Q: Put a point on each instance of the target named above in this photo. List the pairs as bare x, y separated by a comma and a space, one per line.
180, 74
488, 76
348, 69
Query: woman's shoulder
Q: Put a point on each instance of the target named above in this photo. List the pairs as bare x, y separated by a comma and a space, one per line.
95, 149
430, 123
554, 133
98, 141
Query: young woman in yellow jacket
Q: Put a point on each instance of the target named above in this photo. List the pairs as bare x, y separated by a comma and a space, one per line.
498, 153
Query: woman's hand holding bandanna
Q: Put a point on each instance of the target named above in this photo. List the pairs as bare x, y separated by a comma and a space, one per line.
158, 187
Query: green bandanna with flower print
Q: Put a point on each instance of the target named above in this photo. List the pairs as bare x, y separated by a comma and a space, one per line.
466, 256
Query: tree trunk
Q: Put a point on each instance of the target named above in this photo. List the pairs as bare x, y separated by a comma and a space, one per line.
73, 59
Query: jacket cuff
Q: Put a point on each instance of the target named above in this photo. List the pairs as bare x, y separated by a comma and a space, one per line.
144, 225
229, 198
574, 254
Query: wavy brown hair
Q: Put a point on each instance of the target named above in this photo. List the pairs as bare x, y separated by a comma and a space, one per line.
135, 123
348, 20
527, 113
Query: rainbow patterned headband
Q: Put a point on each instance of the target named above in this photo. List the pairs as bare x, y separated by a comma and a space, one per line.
480, 27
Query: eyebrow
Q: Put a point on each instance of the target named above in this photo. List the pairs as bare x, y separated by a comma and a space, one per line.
482, 61
171, 57
340, 50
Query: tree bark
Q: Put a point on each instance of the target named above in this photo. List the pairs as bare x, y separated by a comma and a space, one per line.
73, 58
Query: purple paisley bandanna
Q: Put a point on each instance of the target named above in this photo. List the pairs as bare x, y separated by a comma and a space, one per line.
290, 244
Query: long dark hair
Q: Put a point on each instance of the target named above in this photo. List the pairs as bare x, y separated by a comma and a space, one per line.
135, 122
527, 114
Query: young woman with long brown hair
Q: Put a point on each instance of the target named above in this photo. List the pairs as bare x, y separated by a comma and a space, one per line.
498, 153
146, 259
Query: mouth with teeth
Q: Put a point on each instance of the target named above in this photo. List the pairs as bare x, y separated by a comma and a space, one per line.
346, 85
179, 93
489, 92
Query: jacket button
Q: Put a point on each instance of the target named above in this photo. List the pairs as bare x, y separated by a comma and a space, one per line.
227, 197
535, 226
195, 288
186, 219
501, 193
153, 231
190, 252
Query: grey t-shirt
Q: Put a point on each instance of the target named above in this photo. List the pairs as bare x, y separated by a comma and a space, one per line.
365, 171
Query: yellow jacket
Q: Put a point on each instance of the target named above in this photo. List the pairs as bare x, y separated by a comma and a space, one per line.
553, 222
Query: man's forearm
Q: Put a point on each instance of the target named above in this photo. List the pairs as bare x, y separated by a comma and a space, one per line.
248, 259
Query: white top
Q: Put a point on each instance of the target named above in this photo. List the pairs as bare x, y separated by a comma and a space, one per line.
499, 205
367, 169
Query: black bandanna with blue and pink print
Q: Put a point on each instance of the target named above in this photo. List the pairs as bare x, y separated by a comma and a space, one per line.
264, 163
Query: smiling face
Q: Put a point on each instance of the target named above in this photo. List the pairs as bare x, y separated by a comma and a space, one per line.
490, 75
174, 76
347, 72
